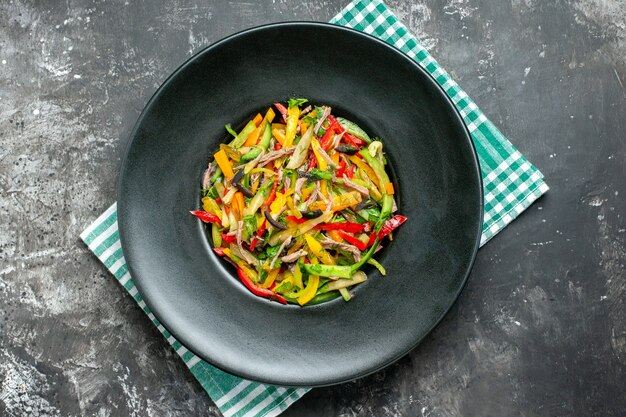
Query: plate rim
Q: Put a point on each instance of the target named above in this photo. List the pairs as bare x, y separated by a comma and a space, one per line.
242, 373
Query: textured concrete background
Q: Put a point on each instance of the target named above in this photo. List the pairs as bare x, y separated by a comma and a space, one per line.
540, 329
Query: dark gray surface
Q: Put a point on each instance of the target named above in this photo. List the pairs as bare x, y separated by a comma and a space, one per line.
540, 329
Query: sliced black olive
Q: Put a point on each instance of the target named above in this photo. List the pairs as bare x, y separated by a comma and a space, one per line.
347, 149
238, 176
273, 222
312, 214
245, 191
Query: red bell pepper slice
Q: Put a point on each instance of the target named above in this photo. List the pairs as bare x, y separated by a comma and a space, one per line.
341, 169
350, 171
295, 219
312, 162
345, 226
333, 127
337, 125
256, 290
352, 240
229, 239
389, 226
354, 141
206, 217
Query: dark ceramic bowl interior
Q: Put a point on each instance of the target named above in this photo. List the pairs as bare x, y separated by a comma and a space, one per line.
198, 297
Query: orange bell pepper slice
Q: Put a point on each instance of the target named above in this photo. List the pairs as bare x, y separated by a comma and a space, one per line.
303, 128
238, 205
279, 135
224, 163
253, 137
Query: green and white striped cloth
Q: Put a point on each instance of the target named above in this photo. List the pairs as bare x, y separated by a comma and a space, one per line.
510, 182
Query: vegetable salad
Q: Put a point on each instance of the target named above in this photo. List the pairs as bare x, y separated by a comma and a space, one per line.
299, 201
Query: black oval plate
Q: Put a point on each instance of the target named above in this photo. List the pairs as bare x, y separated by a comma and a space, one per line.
198, 298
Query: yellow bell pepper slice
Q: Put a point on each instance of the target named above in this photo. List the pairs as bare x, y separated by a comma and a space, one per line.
250, 272
269, 116
293, 114
297, 276
318, 250
321, 162
210, 206
367, 183
309, 291
324, 188
278, 203
287, 278
262, 170
293, 209
243, 265
224, 163
225, 218
366, 168
299, 229
257, 119
271, 277
306, 191
340, 202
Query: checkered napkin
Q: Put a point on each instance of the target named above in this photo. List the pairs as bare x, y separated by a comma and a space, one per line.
510, 183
